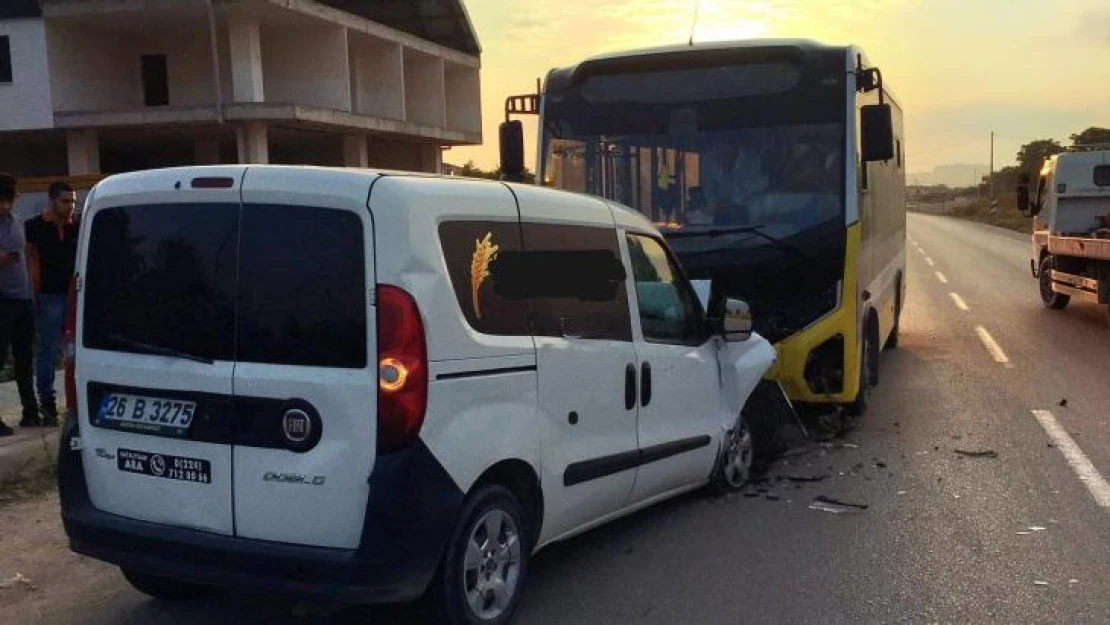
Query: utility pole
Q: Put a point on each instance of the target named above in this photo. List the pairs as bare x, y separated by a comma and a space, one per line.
992, 168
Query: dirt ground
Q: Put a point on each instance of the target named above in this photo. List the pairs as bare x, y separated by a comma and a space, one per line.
37, 569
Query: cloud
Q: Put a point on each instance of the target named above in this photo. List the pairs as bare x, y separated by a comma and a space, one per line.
1095, 26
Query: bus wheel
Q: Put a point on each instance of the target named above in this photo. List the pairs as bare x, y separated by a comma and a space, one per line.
868, 368
1051, 299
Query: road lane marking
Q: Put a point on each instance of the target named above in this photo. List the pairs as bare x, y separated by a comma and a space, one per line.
992, 347
960, 303
940, 276
1079, 462
928, 261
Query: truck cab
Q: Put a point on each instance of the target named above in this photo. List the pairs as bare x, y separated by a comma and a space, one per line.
1070, 206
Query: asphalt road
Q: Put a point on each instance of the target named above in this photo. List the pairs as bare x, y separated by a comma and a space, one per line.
945, 538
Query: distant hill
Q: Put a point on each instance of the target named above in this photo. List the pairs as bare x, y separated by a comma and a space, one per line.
956, 175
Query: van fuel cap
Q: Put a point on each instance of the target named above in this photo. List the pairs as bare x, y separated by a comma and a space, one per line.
300, 426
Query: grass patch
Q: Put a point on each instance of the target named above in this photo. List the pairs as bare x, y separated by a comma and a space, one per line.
1004, 215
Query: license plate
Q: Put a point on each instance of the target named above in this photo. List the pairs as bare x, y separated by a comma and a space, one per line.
164, 466
146, 414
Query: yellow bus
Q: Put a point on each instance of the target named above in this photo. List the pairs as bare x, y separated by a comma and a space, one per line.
775, 169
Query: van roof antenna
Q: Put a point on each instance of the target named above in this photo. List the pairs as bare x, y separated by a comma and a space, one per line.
694, 24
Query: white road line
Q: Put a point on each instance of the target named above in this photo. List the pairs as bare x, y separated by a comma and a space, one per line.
1079, 462
940, 276
928, 261
960, 303
992, 347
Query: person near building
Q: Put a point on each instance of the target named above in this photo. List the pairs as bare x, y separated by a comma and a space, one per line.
51, 252
17, 317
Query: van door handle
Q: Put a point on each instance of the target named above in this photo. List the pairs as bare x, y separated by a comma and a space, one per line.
630, 386
645, 384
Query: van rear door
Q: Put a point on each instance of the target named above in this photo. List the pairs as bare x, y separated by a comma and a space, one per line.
156, 322
305, 382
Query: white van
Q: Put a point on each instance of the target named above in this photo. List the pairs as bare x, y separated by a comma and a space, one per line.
377, 387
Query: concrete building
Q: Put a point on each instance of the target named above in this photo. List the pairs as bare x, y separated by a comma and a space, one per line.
102, 86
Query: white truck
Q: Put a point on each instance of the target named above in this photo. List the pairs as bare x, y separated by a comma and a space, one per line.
1070, 206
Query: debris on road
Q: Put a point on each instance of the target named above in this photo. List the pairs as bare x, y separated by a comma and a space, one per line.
17, 579
835, 506
985, 453
804, 478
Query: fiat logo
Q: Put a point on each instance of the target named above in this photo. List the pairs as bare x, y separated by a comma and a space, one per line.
296, 425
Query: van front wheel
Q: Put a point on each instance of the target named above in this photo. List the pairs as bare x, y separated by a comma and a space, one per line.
483, 571
163, 587
734, 466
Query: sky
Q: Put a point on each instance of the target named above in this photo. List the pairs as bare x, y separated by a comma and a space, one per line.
1026, 69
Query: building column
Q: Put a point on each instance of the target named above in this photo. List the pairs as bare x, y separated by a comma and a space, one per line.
356, 153
245, 38
83, 148
431, 158
253, 143
206, 151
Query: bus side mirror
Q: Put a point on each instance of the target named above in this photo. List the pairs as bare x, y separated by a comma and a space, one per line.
876, 132
1023, 198
511, 138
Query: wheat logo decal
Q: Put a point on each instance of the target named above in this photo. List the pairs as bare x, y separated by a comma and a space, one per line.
485, 251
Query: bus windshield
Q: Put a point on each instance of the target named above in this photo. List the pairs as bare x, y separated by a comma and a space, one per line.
705, 149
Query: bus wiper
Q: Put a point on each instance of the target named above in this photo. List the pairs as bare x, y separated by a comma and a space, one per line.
156, 350
756, 229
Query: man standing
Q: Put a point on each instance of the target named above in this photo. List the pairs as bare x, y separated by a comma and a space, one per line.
51, 252
17, 318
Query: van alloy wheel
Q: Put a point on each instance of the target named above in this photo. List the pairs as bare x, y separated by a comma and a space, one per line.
734, 463
738, 456
491, 568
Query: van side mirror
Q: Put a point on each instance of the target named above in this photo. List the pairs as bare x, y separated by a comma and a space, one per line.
1023, 198
511, 137
736, 325
876, 132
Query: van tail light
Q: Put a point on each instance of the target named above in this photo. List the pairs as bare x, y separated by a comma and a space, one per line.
402, 369
69, 347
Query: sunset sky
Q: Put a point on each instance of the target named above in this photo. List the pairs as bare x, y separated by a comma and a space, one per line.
961, 68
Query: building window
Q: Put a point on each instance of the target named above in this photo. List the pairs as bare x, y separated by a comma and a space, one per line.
5, 60
156, 82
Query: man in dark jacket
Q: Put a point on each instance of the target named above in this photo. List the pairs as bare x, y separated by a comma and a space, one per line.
51, 252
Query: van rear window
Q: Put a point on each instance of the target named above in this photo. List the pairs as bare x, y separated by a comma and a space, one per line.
303, 296
163, 275
1102, 175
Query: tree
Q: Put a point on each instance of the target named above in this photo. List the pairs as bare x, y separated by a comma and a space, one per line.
1031, 155
1092, 136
